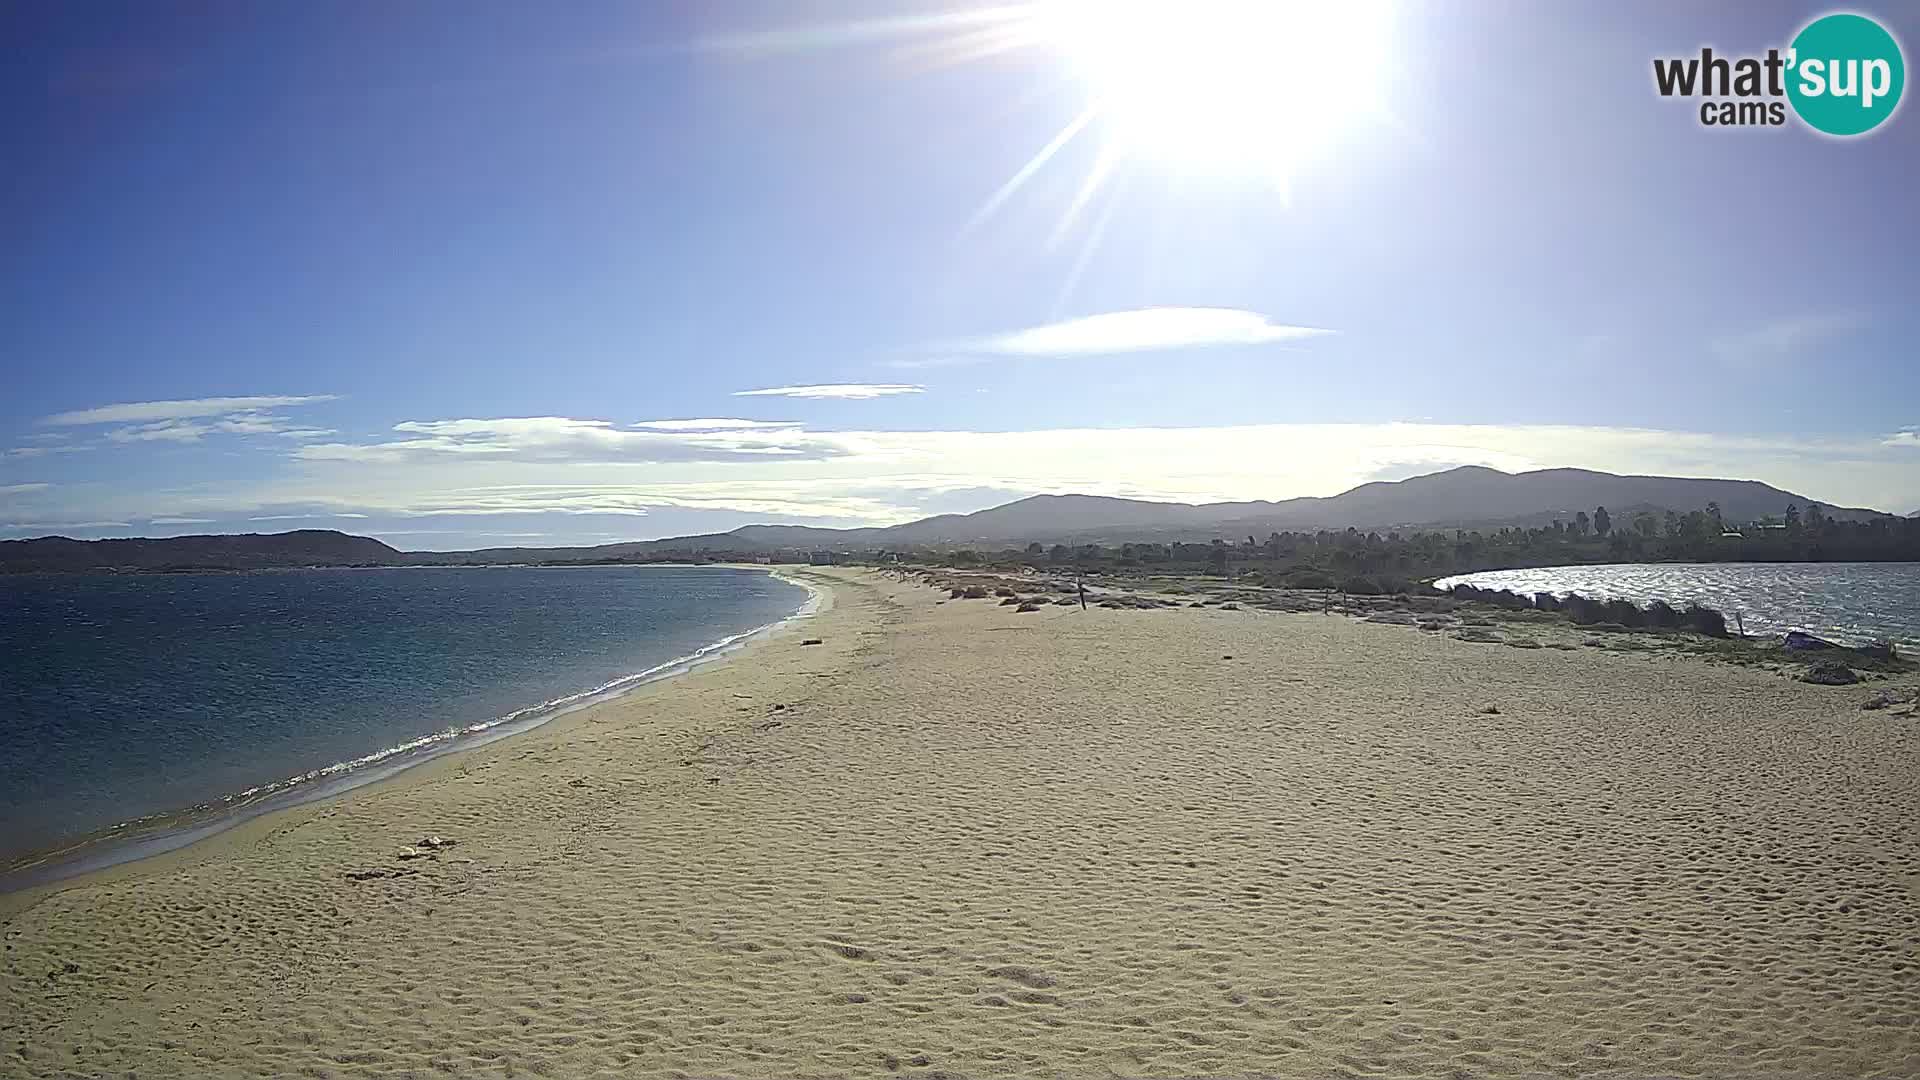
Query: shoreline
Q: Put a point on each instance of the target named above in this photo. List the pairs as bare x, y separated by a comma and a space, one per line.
156, 835
954, 838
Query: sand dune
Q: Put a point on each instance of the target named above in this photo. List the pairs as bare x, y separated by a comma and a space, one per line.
955, 840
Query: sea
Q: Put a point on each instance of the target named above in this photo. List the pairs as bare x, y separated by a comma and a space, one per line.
139, 712
1851, 603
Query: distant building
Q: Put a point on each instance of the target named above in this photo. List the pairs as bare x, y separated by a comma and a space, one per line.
821, 558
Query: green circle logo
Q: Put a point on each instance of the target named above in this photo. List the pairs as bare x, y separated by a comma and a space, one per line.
1845, 74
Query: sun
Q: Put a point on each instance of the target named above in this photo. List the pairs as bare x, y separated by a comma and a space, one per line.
1256, 87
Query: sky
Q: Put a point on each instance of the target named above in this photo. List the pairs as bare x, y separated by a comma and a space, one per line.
501, 274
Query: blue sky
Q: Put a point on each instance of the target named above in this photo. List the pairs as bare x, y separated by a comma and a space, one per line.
435, 272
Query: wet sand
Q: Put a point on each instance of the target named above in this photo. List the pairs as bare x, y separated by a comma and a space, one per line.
957, 840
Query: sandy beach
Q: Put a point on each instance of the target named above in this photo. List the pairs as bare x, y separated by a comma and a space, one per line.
952, 839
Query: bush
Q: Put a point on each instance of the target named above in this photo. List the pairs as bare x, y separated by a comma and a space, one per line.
1624, 612
1661, 614
1308, 579
1004, 591
974, 592
1581, 610
1361, 586
1705, 620
1546, 601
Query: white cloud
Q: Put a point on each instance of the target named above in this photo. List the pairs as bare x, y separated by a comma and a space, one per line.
21, 526
160, 431
1143, 329
714, 424
565, 468
562, 439
302, 517
187, 409
22, 489
835, 390
882, 477
238, 423
179, 521
1909, 437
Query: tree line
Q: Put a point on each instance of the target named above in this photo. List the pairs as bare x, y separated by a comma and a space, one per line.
1374, 562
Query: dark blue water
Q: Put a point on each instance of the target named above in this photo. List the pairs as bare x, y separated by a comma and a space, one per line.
123, 697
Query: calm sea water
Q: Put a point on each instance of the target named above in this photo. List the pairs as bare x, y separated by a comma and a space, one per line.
1849, 602
128, 696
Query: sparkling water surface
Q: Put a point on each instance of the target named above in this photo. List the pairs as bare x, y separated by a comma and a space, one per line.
1849, 602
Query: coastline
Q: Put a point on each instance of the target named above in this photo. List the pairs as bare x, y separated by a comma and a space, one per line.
956, 838
153, 836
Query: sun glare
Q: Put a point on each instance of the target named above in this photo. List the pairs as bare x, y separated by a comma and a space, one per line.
1255, 86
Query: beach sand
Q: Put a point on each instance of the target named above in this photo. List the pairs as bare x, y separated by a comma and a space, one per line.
953, 839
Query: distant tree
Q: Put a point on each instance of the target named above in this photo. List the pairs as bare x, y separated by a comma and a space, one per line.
1580, 521
1816, 517
1035, 548
1793, 517
1060, 553
1713, 511
1645, 524
1217, 557
1602, 522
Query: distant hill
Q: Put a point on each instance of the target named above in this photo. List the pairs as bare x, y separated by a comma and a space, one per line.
1467, 497
251, 551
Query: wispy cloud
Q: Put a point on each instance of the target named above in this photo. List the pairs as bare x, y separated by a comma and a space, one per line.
240, 423
302, 517
1141, 330
835, 390
22, 489
160, 431
1907, 437
564, 439
179, 521
29, 526
1787, 336
138, 412
714, 424
572, 468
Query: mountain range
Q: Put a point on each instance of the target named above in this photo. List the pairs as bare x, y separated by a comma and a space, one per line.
1466, 497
